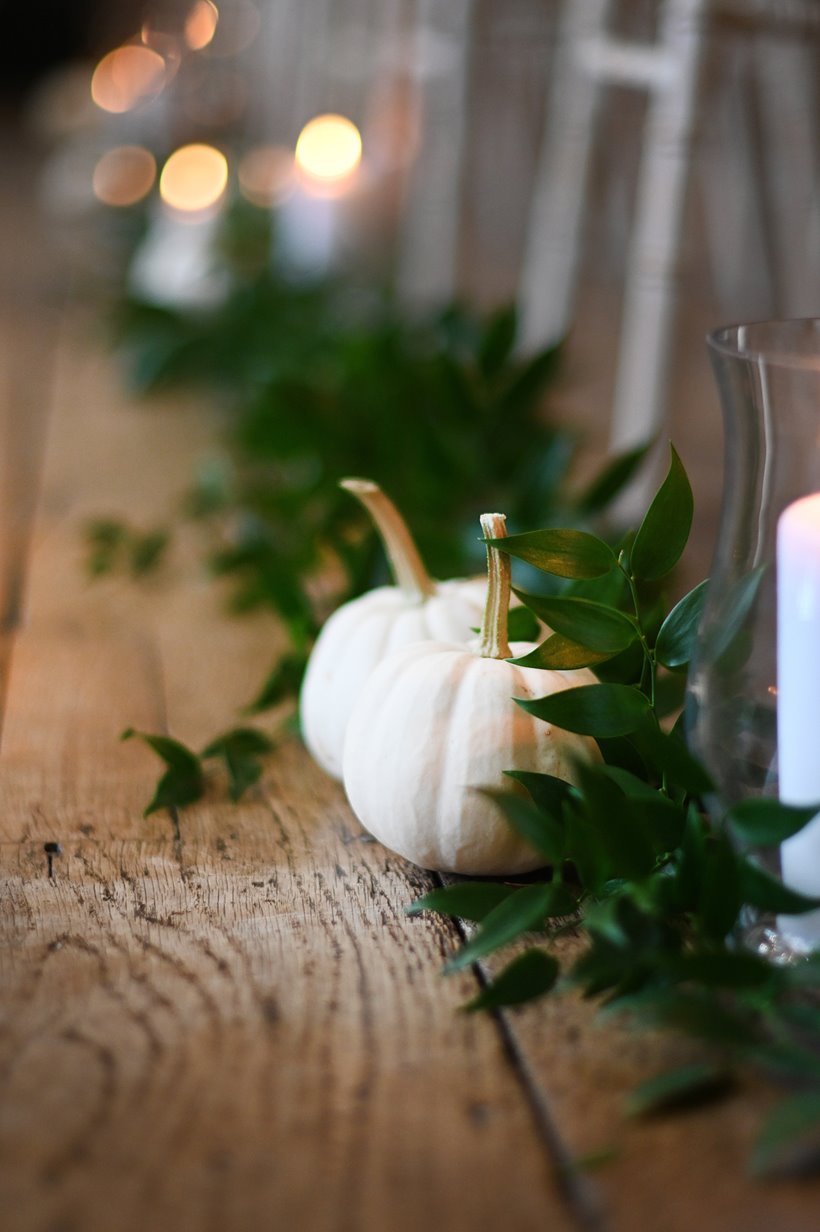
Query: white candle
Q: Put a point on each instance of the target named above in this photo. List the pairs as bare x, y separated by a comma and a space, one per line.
176, 264
798, 703
308, 233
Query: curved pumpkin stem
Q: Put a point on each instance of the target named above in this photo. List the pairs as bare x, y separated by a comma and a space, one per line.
494, 642
402, 554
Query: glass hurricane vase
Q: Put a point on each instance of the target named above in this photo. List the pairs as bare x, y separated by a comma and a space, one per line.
768, 376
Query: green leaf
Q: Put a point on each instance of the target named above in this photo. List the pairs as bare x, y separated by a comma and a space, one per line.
468, 900
561, 654
565, 553
721, 893
790, 1138
547, 791
604, 710
522, 625
676, 639
663, 534
759, 889
594, 625
670, 693
667, 753
786, 1060
584, 846
240, 750
700, 1013
497, 342
690, 863
106, 532
521, 912
612, 480
528, 382
736, 969
767, 823
106, 538
183, 781
541, 830
696, 1083
147, 550
530, 975
622, 832
283, 681
663, 818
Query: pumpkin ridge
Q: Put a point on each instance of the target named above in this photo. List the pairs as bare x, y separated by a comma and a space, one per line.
452, 767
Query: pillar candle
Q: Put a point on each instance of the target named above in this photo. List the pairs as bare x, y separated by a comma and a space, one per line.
798, 704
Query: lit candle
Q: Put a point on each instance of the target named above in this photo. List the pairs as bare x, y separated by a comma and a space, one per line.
798, 703
310, 220
176, 263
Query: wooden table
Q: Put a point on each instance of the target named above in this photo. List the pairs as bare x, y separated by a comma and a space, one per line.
223, 1019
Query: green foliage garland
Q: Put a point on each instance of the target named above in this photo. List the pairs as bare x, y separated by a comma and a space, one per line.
654, 887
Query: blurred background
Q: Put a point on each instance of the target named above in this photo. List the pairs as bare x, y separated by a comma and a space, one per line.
629, 174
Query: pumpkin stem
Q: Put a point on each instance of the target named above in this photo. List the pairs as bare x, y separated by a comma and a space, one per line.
403, 556
493, 643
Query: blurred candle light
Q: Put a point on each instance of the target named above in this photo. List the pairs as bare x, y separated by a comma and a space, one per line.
124, 175
175, 264
200, 24
311, 223
267, 175
328, 151
194, 178
126, 77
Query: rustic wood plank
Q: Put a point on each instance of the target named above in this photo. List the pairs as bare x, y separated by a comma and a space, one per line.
239, 1043
224, 1020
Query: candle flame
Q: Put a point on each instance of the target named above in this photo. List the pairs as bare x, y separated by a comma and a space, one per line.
127, 76
329, 150
200, 24
124, 175
193, 178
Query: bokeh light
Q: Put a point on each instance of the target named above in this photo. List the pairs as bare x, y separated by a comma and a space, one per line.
329, 149
239, 23
193, 178
266, 175
127, 76
124, 175
200, 24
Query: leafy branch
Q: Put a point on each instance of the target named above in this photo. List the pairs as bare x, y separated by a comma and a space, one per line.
114, 545
184, 780
322, 381
652, 884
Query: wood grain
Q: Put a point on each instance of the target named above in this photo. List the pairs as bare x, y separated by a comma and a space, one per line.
224, 1020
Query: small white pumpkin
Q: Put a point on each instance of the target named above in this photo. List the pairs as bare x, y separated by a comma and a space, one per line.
436, 722
360, 633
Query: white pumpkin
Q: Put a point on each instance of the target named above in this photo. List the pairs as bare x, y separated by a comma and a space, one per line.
360, 633
436, 722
